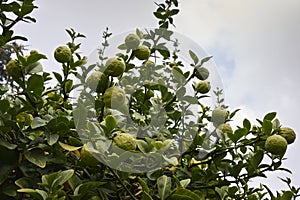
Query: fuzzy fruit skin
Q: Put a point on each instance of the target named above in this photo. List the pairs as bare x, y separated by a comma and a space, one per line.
132, 41
97, 81
86, 158
125, 141
203, 87
288, 134
114, 96
276, 144
202, 73
115, 66
219, 116
142, 52
62, 54
14, 69
225, 128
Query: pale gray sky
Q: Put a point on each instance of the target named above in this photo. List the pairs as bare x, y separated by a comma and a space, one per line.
255, 44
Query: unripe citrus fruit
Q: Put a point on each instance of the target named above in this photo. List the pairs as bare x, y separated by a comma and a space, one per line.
125, 141
288, 134
276, 144
225, 128
97, 81
62, 54
203, 87
14, 69
219, 116
114, 96
202, 73
33, 52
87, 158
132, 41
142, 52
149, 63
110, 122
115, 66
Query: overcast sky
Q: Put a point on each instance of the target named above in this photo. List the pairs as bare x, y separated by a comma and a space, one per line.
255, 44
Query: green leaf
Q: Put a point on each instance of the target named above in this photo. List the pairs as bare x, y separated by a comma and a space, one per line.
238, 134
146, 196
36, 194
4, 105
86, 187
8, 145
270, 116
164, 186
68, 147
247, 124
194, 57
143, 146
184, 194
62, 177
267, 127
68, 86
52, 138
204, 60
25, 182
34, 68
58, 77
144, 185
36, 156
35, 84
184, 183
37, 122
32, 58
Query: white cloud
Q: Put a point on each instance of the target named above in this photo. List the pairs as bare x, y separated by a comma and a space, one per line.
261, 39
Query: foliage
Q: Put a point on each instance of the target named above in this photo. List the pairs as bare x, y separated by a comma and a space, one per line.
48, 147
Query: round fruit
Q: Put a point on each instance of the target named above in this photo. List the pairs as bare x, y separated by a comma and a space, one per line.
219, 116
14, 69
125, 141
87, 158
113, 97
149, 63
225, 128
33, 52
97, 81
110, 122
288, 134
149, 94
142, 52
276, 144
115, 66
132, 41
202, 73
203, 87
62, 54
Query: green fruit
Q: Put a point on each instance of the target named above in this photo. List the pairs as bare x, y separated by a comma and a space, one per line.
97, 81
14, 69
142, 52
33, 52
125, 141
149, 94
225, 128
149, 63
87, 158
202, 73
62, 54
113, 97
276, 144
203, 87
132, 41
219, 116
288, 134
110, 122
115, 66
